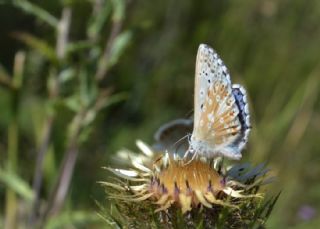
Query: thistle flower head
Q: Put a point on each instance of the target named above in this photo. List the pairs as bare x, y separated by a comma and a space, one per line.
168, 183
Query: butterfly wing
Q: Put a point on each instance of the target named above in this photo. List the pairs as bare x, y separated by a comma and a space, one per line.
172, 136
217, 125
240, 96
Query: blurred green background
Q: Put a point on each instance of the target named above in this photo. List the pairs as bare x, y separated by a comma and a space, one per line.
81, 79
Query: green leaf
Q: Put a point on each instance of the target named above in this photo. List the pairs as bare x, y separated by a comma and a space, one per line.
5, 79
120, 43
17, 184
89, 117
76, 47
98, 20
67, 75
270, 207
108, 101
73, 103
37, 11
38, 44
107, 216
118, 10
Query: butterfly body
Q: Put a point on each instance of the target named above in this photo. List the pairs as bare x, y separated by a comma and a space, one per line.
221, 113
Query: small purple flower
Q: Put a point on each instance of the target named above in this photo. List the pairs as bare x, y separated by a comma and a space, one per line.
306, 212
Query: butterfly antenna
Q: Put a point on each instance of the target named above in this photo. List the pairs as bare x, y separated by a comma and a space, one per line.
191, 159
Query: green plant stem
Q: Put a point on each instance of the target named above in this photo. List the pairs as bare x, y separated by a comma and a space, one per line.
61, 187
103, 63
38, 173
63, 29
13, 140
11, 198
62, 41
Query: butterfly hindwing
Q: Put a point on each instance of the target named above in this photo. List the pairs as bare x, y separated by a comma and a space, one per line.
240, 95
172, 137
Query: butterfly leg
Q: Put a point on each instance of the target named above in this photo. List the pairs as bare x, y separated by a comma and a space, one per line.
188, 152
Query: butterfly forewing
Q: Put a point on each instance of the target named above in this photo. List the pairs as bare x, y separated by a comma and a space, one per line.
217, 127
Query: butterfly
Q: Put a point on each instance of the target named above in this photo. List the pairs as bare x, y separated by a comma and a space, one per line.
221, 112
